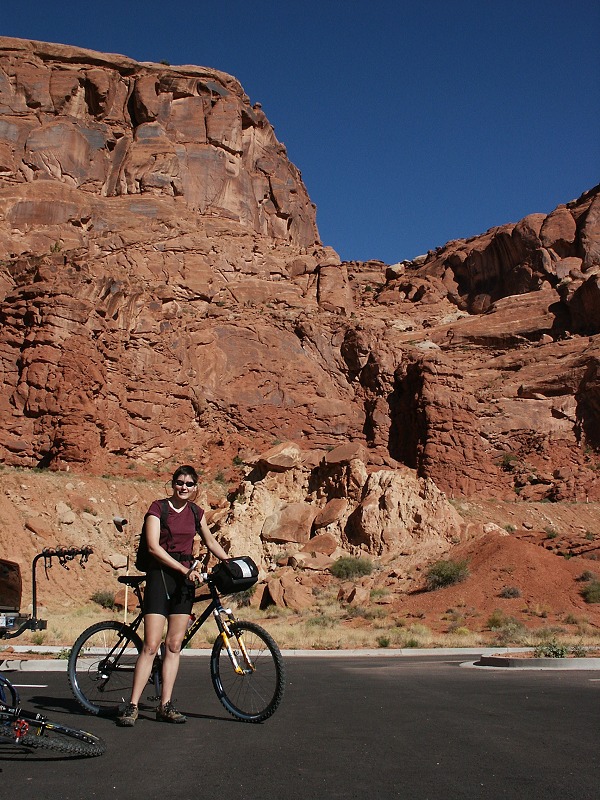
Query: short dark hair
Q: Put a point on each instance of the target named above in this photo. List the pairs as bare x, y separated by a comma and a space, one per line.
185, 470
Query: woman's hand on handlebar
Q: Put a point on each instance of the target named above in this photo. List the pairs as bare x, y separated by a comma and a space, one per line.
195, 575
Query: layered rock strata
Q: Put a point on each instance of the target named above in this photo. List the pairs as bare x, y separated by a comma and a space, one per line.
164, 297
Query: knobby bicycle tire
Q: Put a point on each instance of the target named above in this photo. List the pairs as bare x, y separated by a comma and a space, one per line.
47, 735
101, 666
8, 694
255, 695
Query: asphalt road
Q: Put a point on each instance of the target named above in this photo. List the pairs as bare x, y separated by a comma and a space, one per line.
421, 728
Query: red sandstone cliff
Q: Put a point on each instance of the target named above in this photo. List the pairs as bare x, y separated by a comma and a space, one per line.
164, 297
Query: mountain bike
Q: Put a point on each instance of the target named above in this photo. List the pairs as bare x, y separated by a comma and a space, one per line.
36, 732
246, 666
20, 728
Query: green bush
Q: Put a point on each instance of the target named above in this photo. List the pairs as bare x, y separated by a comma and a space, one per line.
383, 641
591, 592
551, 649
509, 592
498, 619
243, 599
348, 567
508, 462
445, 573
507, 629
587, 575
321, 621
104, 598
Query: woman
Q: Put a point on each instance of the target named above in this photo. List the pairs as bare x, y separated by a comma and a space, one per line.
169, 588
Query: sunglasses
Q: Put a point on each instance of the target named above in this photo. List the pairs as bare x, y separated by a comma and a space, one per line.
189, 484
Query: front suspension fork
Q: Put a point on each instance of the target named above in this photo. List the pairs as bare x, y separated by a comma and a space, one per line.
224, 625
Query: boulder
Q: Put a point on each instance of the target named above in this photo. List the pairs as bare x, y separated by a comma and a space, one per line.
292, 523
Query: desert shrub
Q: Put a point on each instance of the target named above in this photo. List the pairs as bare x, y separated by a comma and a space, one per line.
578, 651
461, 631
349, 567
513, 632
243, 599
548, 634
383, 641
508, 462
419, 630
508, 630
551, 649
376, 593
586, 575
412, 643
375, 613
352, 612
510, 592
445, 573
104, 598
321, 621
498, 619
591, 592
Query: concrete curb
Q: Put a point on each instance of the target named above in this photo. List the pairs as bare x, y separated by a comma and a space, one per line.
488, 657
538, 663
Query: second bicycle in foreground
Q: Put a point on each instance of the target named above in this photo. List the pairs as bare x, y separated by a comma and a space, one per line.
246, 666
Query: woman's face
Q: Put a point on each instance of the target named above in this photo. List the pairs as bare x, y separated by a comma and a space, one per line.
183, 487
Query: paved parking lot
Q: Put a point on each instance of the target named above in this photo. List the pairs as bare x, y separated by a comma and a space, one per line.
418, 727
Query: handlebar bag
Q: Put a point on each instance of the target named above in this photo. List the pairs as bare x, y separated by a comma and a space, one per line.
235, 575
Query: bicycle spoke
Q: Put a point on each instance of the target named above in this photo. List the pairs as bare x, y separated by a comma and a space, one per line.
101, 666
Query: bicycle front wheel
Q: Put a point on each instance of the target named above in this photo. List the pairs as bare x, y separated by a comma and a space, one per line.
8, 694
250, 681
101, 666
45, 735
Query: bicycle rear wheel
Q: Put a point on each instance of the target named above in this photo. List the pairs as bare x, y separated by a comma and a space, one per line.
45, 735
8, 694
253, 693
101, 666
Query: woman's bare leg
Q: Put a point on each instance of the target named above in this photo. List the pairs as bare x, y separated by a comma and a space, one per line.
154, 625
177, 625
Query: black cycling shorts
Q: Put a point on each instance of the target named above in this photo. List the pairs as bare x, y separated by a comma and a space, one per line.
168, 592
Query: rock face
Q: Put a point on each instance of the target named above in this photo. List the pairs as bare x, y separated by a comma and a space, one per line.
111, 127
164, 298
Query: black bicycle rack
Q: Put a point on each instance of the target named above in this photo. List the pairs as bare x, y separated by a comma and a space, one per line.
31, 623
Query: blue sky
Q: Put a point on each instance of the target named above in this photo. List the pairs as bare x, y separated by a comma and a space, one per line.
412, 122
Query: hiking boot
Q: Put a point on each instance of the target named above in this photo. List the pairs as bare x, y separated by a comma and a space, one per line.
128, 716
168, 713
